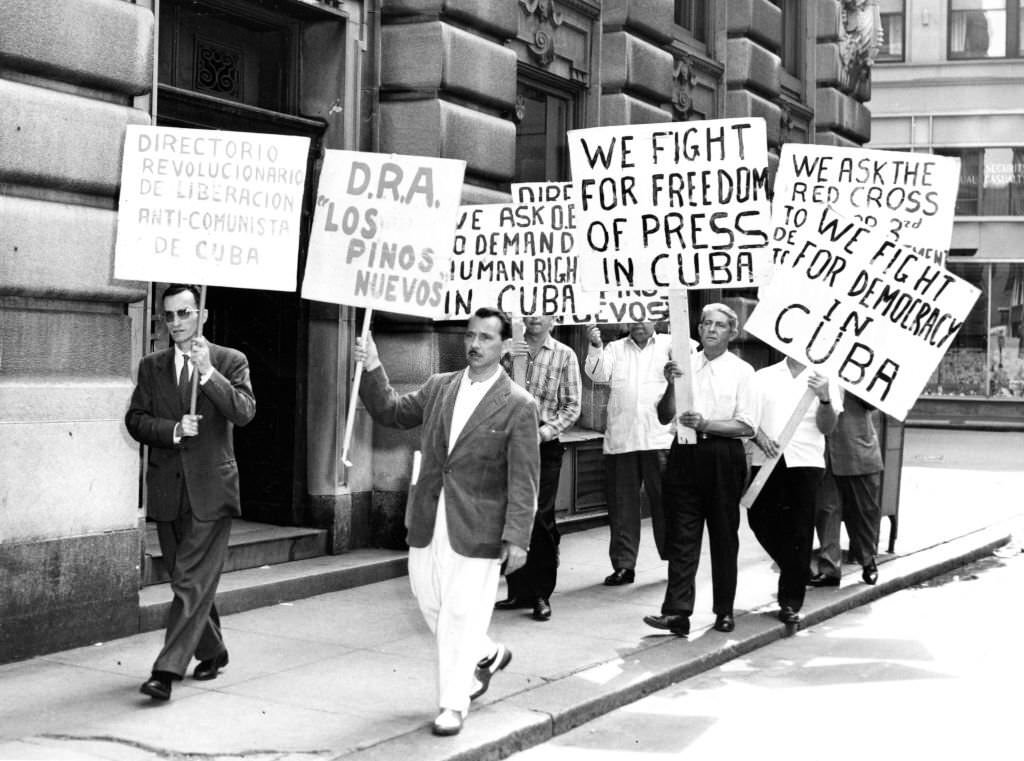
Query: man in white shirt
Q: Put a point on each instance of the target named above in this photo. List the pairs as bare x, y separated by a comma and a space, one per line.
704, 481
782, 516
634, 440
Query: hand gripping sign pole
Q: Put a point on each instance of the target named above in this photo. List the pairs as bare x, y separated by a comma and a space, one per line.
750, 495
199, 332
350, 419
679, 317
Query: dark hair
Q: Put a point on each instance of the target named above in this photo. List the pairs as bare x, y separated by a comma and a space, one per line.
506, 323
175, 288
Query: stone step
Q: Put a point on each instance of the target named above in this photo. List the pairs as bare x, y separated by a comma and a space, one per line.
252, 545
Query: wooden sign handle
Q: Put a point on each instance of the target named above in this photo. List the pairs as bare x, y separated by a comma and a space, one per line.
679, 317
350, 419
750, 495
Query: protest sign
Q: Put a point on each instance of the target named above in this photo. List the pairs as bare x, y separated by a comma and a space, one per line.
210, 207
854, 304
382, 231
520, 258
911, 196
671, 205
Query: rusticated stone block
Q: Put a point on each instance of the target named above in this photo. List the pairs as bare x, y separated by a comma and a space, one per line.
500, 19
834, 140
745, 103
628, 63
66, 593
828, 67
436, 128
748, 65
62, 141
829, 20
651, 18
619, 108
106, 44
837, 112
53, 250
439, 56
759, 20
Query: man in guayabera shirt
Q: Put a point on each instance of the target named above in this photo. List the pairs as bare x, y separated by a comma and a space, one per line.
704, 481
553, 378
635, 442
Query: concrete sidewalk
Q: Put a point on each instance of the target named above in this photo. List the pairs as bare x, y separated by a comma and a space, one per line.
350, 674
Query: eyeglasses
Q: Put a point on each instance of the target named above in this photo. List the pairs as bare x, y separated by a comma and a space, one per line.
708, 324
181, 314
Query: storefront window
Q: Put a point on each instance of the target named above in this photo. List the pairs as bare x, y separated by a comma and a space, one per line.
986, 358
991, 181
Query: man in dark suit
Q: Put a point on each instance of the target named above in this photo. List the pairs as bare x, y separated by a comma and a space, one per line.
192, 479
471, 512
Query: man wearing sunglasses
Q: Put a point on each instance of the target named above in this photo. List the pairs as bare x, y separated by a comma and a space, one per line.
192, 478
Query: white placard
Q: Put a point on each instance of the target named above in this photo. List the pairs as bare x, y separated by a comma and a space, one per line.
911, 196
210, 207
672, 205
382, 231
855, 305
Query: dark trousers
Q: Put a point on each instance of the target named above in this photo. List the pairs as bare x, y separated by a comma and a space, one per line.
194, 552
538, 576
703, 484
624, 475
782, 519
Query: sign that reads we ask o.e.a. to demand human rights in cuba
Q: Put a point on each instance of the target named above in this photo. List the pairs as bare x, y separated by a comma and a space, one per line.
210, 207
671, 205
382, 231
852, 303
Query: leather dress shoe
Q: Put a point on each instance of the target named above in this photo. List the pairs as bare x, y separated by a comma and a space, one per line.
512, 603
541, 610
823, 580
788, 616
870, 574
724, 622
447, 723
210, 668
619, 577
488, 667
157, 687
678, 625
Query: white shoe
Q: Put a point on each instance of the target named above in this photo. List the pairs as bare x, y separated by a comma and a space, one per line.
447, 723
488, 667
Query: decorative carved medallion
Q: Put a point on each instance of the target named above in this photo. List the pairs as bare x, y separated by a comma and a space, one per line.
683, 81
860, 39
546, 17
218, 70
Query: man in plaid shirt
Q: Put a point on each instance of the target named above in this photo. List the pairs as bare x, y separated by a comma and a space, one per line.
553, 378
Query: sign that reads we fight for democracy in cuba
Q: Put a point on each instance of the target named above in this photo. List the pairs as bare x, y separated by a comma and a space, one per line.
910, 196
851, 302
210, 207
382, 231
671, 205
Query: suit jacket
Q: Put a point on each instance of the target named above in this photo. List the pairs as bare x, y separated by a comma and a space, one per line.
490, 477
853, 447
206, 462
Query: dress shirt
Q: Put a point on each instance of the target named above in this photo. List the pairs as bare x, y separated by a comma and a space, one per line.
637, 378
179, 358
553, 378
467, 398
778, 393
723, 389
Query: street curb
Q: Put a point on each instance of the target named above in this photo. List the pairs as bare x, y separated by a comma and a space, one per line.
538, 714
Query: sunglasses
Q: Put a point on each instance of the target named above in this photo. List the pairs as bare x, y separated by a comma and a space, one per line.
181, 314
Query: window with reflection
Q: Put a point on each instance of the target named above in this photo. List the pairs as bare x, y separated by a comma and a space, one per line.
893, 16
991, 180
985, 28
986, 358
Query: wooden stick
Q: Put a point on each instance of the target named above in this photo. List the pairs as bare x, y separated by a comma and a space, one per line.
199, 332
750, 495
679, 317
519, 361
354, 395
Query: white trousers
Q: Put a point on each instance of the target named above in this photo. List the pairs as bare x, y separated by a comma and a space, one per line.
456, 596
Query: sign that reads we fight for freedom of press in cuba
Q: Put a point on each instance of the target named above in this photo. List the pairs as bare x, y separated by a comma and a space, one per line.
210, 207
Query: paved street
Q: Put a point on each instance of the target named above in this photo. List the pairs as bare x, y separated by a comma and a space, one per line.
932, 672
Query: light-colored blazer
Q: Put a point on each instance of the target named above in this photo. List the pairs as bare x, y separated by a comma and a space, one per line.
491, 475
206, 462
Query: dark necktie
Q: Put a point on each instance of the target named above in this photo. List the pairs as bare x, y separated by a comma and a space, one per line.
184, 390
